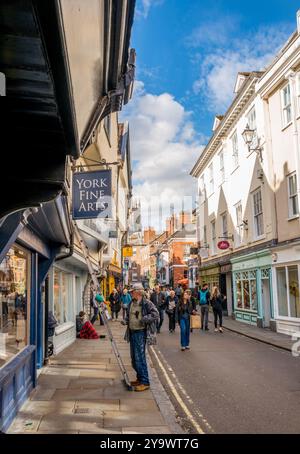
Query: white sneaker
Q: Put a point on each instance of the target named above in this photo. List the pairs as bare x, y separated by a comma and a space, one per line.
216, 330
221, 330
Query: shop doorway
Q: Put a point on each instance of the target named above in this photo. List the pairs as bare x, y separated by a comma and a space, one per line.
266, 301
223, 290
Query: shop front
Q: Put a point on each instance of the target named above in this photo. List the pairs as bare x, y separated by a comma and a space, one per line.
286, 278
66, 284
252, 288
226, 286
210, 276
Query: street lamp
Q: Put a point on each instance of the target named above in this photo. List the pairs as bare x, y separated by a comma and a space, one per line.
248, 136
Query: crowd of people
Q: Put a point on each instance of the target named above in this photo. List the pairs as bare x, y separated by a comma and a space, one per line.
143, 311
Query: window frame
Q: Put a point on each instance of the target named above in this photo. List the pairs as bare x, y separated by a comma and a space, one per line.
211, 179
222, 165
224, 217
286, 107
286, 267
235, 149
291, 196
213, 231
239, 227
257, 234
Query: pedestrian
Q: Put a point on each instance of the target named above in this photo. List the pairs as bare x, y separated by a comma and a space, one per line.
85, 329
125, 300
204, 297
217, 304
141, 319
159, 301
193, 301
171, 303
115, 304
178, 291
184, 310
94, 306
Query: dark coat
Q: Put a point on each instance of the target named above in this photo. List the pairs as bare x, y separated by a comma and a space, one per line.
179, 312
150, 316
217, 303
115, 303
158, 299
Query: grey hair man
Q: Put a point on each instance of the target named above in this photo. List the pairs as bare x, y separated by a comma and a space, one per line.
141, 319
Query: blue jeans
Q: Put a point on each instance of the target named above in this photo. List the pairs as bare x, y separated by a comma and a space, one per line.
185, 331
138, 355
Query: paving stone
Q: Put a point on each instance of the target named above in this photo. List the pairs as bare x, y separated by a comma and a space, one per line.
115, 431
61, 371
78, 394
41, 393
132, 419
100, 374
91, 383
138, 405
25, 423
73, 422
119, 391
53, 381
46, 407
98, 405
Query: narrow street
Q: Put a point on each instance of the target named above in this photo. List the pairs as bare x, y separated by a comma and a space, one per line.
230, 383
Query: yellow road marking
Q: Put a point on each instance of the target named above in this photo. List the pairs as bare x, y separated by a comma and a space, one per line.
177, 396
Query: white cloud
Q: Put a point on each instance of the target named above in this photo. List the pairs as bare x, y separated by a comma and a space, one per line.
144, 6
223, 59
164, 147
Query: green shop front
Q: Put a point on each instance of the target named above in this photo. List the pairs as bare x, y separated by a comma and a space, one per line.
252, 288
210, 275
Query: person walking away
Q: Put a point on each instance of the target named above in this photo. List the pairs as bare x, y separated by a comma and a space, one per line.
115, 305
158, 299
141, 319
179, 291
217, 304
95, 306
125, 300
171, 304
204, 297
184, 310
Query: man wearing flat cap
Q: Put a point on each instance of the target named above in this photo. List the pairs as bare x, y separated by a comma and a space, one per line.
141, 319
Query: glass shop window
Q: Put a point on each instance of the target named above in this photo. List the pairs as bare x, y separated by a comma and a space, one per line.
14, 303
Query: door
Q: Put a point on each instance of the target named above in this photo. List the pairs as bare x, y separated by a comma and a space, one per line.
223, 290
266, 301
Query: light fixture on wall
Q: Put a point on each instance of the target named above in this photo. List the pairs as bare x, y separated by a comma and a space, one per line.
248, 136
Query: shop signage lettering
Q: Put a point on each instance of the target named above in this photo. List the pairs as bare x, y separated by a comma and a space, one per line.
223, 245
92, 195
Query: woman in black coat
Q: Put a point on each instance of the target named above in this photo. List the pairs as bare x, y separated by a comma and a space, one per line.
115, 303
217, 304
183, 312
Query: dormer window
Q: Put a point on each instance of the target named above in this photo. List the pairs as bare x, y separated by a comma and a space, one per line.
218, 119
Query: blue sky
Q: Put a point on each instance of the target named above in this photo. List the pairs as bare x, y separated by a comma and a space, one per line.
188, 55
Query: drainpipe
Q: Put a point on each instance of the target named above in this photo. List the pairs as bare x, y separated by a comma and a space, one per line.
291, 76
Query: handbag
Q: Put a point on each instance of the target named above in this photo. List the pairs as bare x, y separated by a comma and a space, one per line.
195, 321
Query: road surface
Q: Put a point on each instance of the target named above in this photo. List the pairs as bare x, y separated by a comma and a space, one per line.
229, 384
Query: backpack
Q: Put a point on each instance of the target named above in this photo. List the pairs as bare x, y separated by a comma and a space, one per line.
203, 297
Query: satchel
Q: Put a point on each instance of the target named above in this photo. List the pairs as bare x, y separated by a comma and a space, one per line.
195, 321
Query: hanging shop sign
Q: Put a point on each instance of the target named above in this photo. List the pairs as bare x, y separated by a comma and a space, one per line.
127, 251
92, 195
224, 244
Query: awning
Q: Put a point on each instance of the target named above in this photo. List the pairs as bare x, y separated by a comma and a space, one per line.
56, 91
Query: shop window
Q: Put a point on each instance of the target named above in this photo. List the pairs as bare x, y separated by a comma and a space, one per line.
246, 290
288, 291
61, 295
14, 303
294, 291
282, 292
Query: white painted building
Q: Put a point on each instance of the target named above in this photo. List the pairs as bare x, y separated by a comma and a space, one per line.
279, 90
235, 205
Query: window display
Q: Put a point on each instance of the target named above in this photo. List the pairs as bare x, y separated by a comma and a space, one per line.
14, 303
